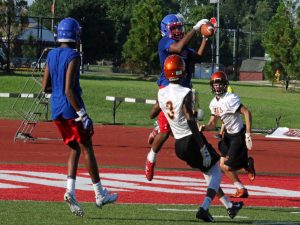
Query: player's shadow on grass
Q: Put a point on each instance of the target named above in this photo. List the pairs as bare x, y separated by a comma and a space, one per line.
172, 221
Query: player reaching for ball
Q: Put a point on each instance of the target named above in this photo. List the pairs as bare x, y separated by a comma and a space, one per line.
61, 78
173, 41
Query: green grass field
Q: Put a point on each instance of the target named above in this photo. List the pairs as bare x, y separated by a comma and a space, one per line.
56, 213
265, 102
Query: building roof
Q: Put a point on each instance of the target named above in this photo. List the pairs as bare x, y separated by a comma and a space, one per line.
252, 65
34, 29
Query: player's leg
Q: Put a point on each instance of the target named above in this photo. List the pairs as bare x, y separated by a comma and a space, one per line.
157, 144
250, 169
102, 195
232, 160
153, 133
67, 134
213, 180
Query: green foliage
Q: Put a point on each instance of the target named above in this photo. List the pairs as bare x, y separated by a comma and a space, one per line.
285, 55
140, 49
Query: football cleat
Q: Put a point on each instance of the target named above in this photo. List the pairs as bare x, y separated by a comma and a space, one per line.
240, 193
204, 215
149, 170
251, 169
153, 134
233, 211
105, 198
73, 204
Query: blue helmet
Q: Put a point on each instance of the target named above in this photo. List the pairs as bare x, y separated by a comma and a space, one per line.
68, 30
172, 26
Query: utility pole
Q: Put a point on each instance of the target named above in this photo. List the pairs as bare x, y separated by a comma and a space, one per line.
53, 13
218, 31
218, 35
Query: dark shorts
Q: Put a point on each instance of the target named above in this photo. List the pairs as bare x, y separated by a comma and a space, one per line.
187, 149
233, 147
71, 130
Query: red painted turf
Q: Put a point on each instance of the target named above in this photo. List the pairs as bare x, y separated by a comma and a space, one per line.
123, 147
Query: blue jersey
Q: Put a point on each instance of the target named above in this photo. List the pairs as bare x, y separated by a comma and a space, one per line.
163, 52
58, 61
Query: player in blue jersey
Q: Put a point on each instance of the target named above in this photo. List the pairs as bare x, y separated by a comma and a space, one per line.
61, 79
173, 41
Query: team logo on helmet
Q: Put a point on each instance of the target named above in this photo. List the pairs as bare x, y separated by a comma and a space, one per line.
172, 26
68, 30
174, 67
220, 78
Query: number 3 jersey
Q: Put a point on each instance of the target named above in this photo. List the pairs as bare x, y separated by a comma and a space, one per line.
227, 109
170, 99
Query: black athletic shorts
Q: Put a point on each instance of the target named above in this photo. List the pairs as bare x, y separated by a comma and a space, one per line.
234, 147
188, 150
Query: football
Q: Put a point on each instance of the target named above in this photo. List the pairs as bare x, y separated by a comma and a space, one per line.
207, 29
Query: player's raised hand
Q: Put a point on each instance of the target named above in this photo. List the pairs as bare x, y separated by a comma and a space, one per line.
199, 24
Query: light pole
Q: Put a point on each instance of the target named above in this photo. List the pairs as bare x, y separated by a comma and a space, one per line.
218, 31
250, 34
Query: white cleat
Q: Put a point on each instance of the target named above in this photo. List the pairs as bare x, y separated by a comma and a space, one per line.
73, 204
105, 198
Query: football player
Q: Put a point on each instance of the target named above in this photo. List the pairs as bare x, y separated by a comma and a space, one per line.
237, 139
175, 101
61, 78
173, 41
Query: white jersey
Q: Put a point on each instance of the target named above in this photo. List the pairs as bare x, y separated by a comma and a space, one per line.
170, 99
226, 108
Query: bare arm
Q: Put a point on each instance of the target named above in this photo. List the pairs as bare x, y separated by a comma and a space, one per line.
202, 46
177, 47
248, 118
154, 111
70, 83
46, 82
188, 113
211, 125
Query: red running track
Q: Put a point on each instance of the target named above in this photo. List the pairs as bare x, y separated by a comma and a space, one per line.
126, 148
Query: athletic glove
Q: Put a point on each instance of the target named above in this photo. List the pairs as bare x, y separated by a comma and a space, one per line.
199, 24
85, 119
248, 141
205, 156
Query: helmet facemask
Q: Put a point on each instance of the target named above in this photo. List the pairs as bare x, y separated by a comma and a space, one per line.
176, 31
219, 86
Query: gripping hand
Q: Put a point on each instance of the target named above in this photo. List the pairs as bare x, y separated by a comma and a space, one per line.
248, 140
199, 24
85, 119
205, 156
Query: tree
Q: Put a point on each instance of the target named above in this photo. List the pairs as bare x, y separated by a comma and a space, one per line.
140, 49
13, 19
282, 56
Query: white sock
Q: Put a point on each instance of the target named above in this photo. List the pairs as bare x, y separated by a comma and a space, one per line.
151, 156
238, 185
71, 185
98, 188
206, 203
225, 201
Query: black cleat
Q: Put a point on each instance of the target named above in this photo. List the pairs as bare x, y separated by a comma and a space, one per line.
204, 215
233, 211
